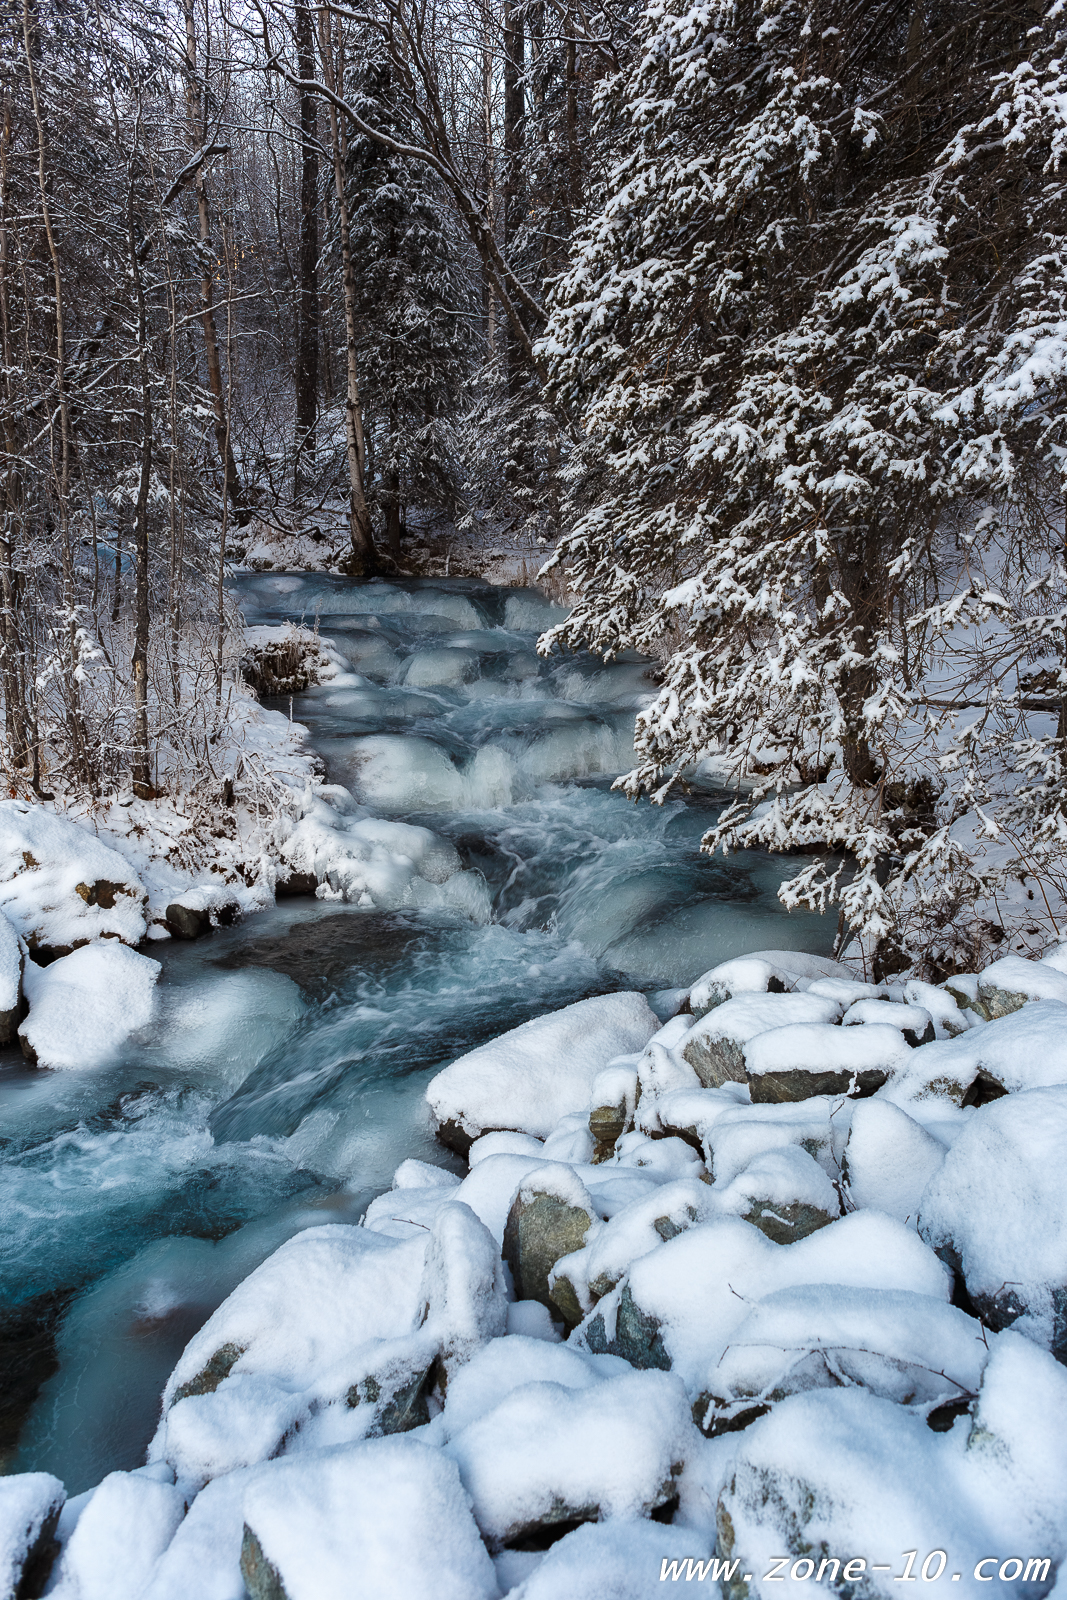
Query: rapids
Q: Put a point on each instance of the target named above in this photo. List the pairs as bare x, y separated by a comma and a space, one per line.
282, 1082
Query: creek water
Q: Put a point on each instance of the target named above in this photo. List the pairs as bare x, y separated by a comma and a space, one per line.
282, 1082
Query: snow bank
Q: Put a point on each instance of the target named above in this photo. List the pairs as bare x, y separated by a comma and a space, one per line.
85, 1006
531, 1077
393, 1512
60, 886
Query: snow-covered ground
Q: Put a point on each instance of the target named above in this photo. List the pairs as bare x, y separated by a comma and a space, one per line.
741, 1314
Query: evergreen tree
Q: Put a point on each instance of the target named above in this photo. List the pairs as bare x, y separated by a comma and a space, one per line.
414, 316
815, 342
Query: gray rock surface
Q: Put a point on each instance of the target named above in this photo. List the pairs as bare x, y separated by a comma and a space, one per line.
540, 1230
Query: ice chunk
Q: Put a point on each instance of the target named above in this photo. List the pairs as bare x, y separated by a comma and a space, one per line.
994, 1209
392, 1511
30, 1503
889, 1159
715, 1048
426, 668
530, 1078
85, 1006
547, 1454
794, 1063
60, 886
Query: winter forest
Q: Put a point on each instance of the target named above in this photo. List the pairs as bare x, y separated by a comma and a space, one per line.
748, 318
533, 862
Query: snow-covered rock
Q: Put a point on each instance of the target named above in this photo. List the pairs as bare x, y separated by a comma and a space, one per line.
949, 1018
794, 1063
994, 1211
60, 886
394, 1512
909, 1348
119, 1537
762, 972
914, 1022
741, 1133
1009, 983
85, 1006
504, 1365
301, 1331
531, 1077
784, 1193
842, 1474
889, 1159
1026, 1049
594, 1269
551, 1216
462, 1296
30, 1503
715, 1048
548, 1455
680, 1304
620, 1559
613, 1100
12, 962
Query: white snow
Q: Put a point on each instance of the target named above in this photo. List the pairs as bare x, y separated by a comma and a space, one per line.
537, 1073
56, 879
392, 1511
494, 1371
1034, 980
786, 1176
755, 973
462, 1296
740, 1133
631, 1233
10, 965
745, 1016
1025, 1050
884, 1013
615, 1560
85, 1006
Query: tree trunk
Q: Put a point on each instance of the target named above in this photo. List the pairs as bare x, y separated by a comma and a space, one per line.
307, 337
10, 641
142, 782
514, 141
363, 559
232, 486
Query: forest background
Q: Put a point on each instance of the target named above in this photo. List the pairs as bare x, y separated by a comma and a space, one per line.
747, 319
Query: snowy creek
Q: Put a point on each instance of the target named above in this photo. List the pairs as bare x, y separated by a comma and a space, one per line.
283, 1079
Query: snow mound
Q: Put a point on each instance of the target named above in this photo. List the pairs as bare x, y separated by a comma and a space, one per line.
85, 1006
392, 1511
495, 1370
60, 886
119, 1537
549, 1454
531, 1077
995, 1207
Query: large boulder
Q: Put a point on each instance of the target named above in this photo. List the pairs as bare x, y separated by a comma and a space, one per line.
393, 1511
994, 1212
61, 887
794, 1063
30, 1503
681, 1303
833, 1487
715, 1048
85, 1006
533, 1076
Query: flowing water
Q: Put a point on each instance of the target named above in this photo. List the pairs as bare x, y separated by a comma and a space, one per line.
283, 1080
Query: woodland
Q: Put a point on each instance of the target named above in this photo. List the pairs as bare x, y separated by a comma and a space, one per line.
747, 320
